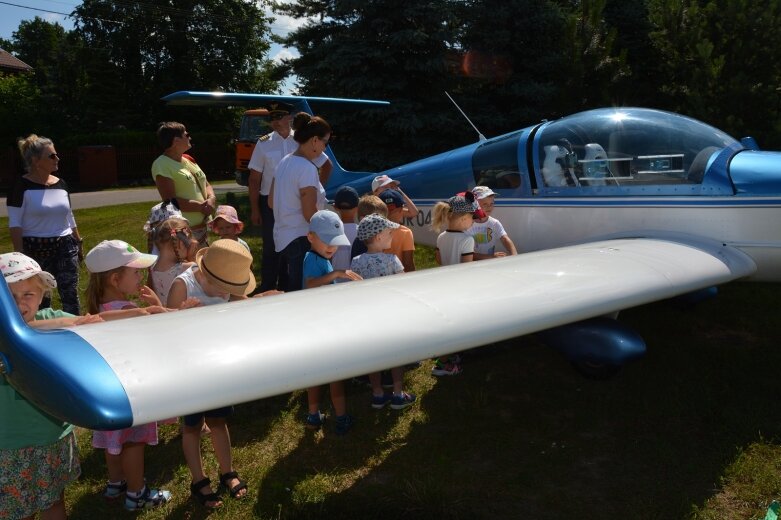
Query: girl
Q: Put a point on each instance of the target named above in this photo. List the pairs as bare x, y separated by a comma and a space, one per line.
176, 247
486, 230
116, 274
454, 246
38, 453
222, 273
226, 224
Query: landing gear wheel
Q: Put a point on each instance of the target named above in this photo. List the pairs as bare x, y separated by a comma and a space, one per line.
596, 370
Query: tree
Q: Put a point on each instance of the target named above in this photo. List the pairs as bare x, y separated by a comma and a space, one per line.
722, 63
513, 63
138, 52
57, 73
380, 49
19, 106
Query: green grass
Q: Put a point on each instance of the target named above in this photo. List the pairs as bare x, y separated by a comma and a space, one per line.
690, 431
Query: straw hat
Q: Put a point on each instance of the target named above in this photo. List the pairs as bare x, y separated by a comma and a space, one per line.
228, 265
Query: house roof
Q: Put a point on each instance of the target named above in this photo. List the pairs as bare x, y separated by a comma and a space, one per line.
11, 63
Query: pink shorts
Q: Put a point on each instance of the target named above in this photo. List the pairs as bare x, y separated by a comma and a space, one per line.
113, 440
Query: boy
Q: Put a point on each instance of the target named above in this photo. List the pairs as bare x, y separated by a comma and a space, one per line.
326, 234
488, 231
346, 204
377, 233
383, 182
403, 245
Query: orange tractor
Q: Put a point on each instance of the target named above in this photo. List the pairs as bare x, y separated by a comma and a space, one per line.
254, 123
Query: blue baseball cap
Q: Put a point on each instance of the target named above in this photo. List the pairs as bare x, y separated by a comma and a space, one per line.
392, 198
329, 228
346, 198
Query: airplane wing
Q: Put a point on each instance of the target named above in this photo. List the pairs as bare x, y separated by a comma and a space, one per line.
194, 98
110, 375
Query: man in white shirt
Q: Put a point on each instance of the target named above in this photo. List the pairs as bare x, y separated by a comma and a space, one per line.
269, 150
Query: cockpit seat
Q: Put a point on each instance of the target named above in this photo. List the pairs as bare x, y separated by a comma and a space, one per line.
595, 164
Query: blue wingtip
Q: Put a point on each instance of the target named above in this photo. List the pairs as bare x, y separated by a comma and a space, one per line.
60, 372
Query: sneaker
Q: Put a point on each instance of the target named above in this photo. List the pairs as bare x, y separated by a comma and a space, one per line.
314, 420
148, 499
343, 424
445, 369
379, 401
114, 491
400, 402
386, 379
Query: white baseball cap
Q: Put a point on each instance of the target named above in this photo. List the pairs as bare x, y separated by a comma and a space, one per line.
382, 181
111, 254
17, 267
481, 192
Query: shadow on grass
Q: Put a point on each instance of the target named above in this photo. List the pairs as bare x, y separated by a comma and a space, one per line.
521, 435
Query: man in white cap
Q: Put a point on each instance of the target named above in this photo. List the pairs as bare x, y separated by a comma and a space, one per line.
269, 150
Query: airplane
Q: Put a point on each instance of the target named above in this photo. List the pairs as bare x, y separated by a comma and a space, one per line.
611, 208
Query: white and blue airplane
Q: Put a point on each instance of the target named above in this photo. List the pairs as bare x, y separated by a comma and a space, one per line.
613, 208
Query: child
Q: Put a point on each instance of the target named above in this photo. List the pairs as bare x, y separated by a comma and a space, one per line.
157, 215
403, 245
367, 205
346, 204
175, 245
326, 233
377, 233
382, 183
222, 273
38, 453
116, 274
451, 219
227, 225
486, 230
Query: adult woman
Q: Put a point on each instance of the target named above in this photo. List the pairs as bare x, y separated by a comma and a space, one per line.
296, 194
178, 177
41, 221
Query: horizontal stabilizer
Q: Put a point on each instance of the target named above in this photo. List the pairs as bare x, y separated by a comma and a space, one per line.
192, 98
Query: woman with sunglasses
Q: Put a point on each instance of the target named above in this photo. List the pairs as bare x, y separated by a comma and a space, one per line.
41, 221
179, 178
297, 194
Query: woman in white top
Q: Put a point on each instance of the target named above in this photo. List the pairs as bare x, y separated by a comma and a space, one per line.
296, 194
41, 220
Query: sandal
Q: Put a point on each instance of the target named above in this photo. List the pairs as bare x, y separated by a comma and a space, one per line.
203, 498
225, 478
114, 491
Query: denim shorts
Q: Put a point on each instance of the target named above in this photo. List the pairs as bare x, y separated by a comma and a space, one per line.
195, 418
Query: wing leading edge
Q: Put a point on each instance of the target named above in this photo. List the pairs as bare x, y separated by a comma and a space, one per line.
178, 363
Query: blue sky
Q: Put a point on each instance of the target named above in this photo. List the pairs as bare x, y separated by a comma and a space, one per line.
12, 12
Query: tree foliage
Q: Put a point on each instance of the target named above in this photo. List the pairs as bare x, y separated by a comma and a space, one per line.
508, 63
137, 52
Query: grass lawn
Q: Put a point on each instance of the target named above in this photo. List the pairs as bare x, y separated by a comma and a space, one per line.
690, 431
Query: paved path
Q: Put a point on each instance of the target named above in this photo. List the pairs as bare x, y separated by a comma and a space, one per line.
96, 199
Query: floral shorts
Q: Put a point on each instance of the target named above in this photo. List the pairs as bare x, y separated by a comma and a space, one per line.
32, 479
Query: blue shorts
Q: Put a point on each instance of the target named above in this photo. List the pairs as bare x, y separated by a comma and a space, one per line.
195, 419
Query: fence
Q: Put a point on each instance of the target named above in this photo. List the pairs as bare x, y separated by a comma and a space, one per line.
133, 165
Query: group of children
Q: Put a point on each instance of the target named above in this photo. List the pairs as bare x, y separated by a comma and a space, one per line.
364, 238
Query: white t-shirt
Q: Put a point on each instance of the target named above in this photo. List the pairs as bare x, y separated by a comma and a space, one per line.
293, 174
486, 234
269, 151
454, 244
